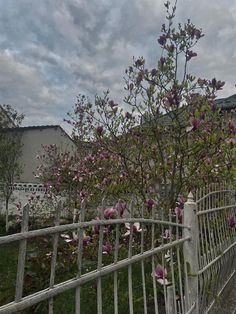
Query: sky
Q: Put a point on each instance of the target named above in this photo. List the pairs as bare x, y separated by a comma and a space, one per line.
52, 50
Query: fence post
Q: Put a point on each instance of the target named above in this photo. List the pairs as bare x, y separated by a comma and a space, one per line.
190, 249
170, 300
22, 255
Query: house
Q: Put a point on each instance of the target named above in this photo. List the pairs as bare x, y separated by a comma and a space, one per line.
33, 139
228, 107
227, 104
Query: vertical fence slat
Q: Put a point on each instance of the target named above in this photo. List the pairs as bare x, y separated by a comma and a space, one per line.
172, 265
163, 259
22, 255
171, 304
153, 264
130, 281
142, 267
54, 256
116, 254
190, 249
182, 310
99, 262
79, 257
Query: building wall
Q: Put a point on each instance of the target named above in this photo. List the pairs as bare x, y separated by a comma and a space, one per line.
33, 140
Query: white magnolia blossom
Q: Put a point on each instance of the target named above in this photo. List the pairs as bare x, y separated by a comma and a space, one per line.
136, 228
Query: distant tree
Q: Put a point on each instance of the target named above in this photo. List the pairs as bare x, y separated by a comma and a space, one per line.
10, 151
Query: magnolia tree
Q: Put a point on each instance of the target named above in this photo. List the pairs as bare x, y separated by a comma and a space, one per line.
78, 174
167, 138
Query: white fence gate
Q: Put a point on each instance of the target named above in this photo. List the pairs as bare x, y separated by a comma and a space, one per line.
181, 267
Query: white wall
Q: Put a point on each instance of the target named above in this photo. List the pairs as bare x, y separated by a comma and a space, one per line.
33, 140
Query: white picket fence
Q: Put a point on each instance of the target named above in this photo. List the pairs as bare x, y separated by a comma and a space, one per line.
189, 256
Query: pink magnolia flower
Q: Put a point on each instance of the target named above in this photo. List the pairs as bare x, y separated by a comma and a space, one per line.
195, 124
180, 201
160, 274
128, 115
107, 248
167, 234
231, 141
206, 130
162, 60
170, 48
190, 55
99, 130
162, 40
136, 228
96, 227
154, 72
179, 212
217, 84
209, 161
114, 109
66, 238
180, 206
82, 194
232, 221
120, 207
110, 212
18, 206
167, 256
86, 239
49, 255
89, 158
232, 127
149, 203
74, 238
111, 103
18, 220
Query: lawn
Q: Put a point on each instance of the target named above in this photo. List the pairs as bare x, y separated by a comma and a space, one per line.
37, 273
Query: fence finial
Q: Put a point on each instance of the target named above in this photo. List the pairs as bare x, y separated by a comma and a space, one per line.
190, 198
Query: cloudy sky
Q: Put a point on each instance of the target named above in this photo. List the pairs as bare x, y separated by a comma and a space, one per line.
52, 50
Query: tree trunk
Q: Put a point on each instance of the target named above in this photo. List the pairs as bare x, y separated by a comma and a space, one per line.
7, 221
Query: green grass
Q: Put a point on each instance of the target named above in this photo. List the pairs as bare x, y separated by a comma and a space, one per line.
65, 302
37, 273
8, 267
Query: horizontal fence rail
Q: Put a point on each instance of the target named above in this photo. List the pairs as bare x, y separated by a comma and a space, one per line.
127, 262
74, 226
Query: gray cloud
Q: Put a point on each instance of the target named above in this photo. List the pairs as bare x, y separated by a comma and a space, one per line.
54, 49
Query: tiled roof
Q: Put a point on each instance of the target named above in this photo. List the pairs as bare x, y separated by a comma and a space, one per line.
223, 103
37, 127
227, 103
